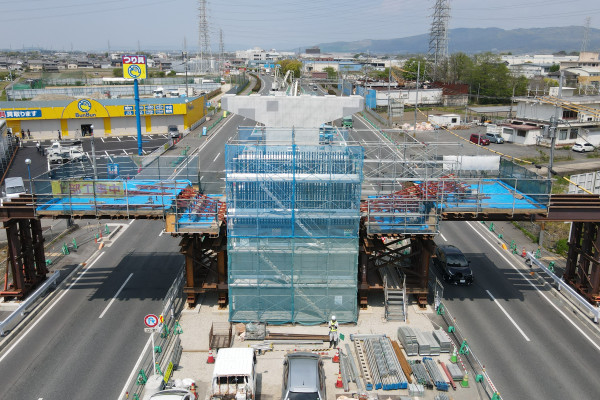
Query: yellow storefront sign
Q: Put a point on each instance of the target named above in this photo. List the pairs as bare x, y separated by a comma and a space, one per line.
84, 108
134, 67
88, 188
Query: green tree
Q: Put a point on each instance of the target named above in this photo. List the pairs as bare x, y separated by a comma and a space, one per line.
294, 65
331, 73
118, 72
460, 67
414, 64
172, 73
554, 67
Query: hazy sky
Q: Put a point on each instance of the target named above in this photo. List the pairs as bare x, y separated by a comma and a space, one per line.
280, 24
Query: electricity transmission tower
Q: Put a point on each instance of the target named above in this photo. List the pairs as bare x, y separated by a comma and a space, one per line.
438, 37
221, 51
204, 37
586, 35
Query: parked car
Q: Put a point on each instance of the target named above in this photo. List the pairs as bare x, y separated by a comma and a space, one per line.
453, 265
303, 377
173, 394
479, 139
174, 131
494, 137
583, 147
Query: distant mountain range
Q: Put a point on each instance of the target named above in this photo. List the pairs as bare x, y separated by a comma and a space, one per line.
477, 40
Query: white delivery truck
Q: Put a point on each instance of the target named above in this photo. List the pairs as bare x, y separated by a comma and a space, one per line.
234, 376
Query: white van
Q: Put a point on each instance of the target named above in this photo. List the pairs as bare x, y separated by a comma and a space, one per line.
234, 374
159, 92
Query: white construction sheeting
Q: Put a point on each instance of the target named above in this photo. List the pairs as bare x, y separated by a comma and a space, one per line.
472, 163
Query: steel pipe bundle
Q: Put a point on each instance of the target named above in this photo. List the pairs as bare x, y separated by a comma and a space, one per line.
436, 375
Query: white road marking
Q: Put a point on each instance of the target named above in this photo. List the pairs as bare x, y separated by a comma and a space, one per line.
165, 136
538, 290
37, 321
201, 177
102, 139
135, 368
125, 152
116, 295
132, 221
161, 233
217, 157
118, 138
443, 237
508, 316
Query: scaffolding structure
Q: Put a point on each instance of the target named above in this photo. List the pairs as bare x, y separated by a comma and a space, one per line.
293, 218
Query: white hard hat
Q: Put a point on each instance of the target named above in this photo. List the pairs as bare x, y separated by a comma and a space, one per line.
333, 317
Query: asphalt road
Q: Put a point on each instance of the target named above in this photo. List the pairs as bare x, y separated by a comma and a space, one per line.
530, 348
83, 346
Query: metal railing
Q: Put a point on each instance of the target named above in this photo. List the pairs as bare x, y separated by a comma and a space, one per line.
22, 309
481, 376
577, 299
168, 345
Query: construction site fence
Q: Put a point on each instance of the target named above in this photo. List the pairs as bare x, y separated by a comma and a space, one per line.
460, 343
167, 342
374, 116
105, 91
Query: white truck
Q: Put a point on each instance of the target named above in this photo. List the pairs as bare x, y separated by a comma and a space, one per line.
60, 152
234, 375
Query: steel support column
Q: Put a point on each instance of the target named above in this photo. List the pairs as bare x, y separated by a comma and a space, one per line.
25, 262
583, 260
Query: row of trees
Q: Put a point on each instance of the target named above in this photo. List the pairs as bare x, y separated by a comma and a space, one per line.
489, 79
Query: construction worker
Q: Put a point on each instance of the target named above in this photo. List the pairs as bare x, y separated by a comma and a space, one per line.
333, 332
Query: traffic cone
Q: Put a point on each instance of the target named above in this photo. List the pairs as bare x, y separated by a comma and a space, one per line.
336, 358
211, 358
339, 384
523, 253
465, 380
453, 357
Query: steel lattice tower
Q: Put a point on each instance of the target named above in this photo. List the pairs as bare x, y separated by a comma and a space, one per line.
586, 35
221, 50
204, 35
438, 36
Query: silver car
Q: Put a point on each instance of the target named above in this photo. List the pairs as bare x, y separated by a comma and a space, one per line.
303, 377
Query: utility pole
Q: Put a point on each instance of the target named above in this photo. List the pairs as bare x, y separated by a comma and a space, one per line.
389, 94
417, 97
185, 61
554, 126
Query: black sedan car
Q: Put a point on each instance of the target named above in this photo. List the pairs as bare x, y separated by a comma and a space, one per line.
453, 265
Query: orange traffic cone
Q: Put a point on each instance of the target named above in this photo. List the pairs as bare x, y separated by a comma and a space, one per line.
211, 358
193, 390
339, 383
523, 253
336, 358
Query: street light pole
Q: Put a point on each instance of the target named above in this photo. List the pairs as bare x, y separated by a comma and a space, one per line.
28, 162
94, 154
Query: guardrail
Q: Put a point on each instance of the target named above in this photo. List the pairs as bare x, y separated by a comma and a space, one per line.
562, 285
20, 311
465, 351
167, 346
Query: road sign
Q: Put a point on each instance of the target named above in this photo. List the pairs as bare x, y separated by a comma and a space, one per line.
151, 320
134, 67
156, 329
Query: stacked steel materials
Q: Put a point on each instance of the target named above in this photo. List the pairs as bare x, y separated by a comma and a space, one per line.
436, 375
386, 372
434, 345
421, 374
455, 371
442, 396
416, 390
424, 344
407, 337
443, 340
